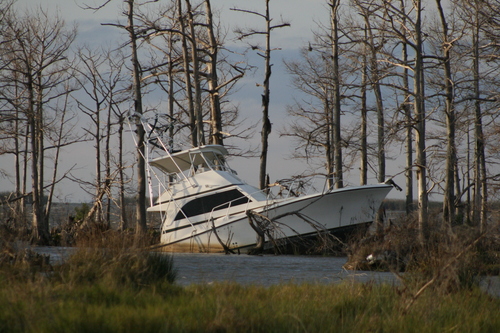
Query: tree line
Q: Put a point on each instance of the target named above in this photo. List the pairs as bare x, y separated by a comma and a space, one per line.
379, 79
415, 77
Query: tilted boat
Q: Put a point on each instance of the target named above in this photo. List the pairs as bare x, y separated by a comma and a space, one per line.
206, 207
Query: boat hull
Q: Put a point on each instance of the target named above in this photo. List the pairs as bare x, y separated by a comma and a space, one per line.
280, 221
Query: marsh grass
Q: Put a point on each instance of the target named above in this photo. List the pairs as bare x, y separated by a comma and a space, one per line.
452, 259
50, 306
112, 285
128, 267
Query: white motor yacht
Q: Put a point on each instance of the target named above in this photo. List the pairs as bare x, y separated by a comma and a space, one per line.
206, 207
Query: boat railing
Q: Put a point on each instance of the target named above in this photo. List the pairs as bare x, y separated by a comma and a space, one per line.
227, 209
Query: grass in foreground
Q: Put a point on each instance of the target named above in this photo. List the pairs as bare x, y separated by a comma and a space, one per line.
119, 288
49, 303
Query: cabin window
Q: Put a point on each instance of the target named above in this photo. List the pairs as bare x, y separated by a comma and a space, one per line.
216, 201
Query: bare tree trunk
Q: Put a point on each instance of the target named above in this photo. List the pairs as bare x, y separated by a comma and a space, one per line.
171, 98
266, 123
107, 158
484, 197
24, 185
141, 225
40, 138
121, 175
215, 111
479, 209
364, 118
337, 140
405, 106
469, 199
20, 155
266, 54
187, 77
449, 195
420, 128
409, 135
39, 233
98, 171
480, 190
198, 111
330, 162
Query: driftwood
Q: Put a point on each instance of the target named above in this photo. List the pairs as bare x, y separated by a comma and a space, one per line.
226, 248
263, 226
261, 236
97, 202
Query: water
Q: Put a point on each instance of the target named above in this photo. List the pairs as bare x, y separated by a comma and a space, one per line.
267, 270
245, 269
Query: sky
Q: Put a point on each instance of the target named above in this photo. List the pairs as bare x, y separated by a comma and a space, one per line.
303, 15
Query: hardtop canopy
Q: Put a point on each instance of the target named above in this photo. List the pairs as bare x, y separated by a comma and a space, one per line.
183, 160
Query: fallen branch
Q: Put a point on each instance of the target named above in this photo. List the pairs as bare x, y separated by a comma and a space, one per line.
226, 248
261, 236
441, 271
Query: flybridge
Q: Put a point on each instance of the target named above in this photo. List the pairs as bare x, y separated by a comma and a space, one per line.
197, 159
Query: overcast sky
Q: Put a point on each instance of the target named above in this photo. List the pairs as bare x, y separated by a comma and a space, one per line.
303, 15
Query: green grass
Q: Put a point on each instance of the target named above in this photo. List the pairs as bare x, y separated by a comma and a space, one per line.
120, 288
48, 304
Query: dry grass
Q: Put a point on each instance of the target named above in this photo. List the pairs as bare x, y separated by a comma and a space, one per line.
453, 259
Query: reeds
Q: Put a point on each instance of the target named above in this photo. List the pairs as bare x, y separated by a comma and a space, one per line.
453, 260
113, 285
228, 307
130, 267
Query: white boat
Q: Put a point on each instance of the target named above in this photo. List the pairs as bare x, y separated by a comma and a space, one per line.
206, 207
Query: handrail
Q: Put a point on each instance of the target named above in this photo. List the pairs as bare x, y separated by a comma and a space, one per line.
227, 209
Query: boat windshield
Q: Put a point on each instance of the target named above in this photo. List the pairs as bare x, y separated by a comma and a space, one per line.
209, 160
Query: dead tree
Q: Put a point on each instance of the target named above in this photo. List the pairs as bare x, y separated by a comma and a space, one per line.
216, 136
39, 64
187, 76
375, 42
133, 41
412, 36
480, 198
310, 123
266, 54
102, 80
449, 195
198, 110
420, 118
408, 119
336, 114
